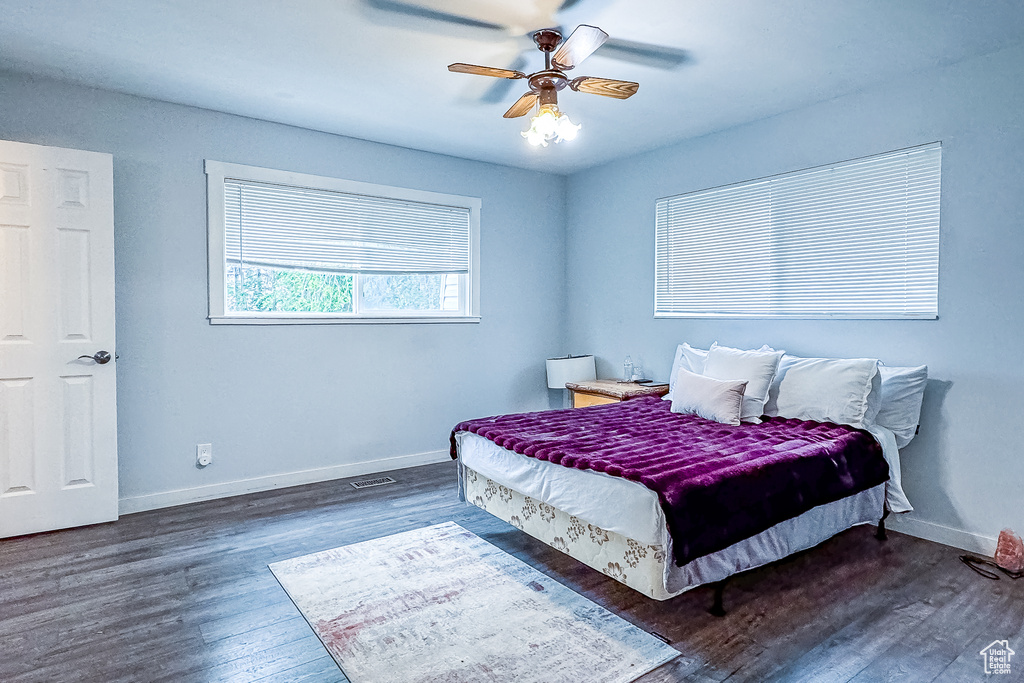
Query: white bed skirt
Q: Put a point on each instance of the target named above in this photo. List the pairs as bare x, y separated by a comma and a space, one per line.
628, 539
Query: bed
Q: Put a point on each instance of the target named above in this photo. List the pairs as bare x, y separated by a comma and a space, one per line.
720, 499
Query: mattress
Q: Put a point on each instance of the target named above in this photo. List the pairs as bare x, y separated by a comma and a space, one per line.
635, 512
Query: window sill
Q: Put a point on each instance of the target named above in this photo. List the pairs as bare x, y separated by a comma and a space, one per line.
363, 320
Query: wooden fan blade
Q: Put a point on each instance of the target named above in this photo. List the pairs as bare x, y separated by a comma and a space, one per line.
580, 45
522, 106
620, 90
461, 68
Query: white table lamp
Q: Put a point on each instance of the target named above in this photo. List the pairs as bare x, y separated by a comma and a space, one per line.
570, 369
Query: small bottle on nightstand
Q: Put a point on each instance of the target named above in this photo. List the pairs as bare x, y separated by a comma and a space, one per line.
627, 369
638, 370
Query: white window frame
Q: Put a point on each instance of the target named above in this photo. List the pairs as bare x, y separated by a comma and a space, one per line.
752, 215
218, 171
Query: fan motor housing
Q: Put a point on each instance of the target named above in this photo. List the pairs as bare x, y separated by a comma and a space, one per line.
547, 83
547, 39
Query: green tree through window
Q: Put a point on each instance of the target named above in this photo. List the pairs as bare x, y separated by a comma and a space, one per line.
264, 290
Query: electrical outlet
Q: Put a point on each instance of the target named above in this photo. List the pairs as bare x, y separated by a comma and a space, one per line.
204, 454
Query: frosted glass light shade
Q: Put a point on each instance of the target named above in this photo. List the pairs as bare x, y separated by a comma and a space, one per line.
570, 369
550, 124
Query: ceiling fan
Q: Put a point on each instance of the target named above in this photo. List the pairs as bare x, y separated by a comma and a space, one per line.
550, 123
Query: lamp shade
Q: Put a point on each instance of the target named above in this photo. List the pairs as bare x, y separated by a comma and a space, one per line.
570, 369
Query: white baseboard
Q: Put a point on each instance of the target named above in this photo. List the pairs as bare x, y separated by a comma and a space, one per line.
957, 538
153, 501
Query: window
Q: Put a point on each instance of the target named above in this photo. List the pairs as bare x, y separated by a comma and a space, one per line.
293, 248
859, 239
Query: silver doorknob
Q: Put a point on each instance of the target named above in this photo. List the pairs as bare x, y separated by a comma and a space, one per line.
101, 357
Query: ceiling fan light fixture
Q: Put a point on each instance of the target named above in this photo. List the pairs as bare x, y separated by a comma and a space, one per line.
550, 124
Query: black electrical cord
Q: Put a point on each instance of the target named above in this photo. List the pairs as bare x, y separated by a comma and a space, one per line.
978, 564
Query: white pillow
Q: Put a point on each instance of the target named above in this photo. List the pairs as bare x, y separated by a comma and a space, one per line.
711, 399
758, 368
840, 390
902, 393
686, 357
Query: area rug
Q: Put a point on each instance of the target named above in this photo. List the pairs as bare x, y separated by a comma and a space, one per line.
442, 604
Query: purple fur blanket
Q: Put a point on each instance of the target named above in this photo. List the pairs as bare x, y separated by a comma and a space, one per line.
717, 484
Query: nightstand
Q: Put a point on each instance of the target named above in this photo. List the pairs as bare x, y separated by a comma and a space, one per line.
600, 391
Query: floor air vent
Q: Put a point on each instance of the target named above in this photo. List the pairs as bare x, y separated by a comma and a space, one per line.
367, 483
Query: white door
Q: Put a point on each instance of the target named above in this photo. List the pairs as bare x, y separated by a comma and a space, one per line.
58, 429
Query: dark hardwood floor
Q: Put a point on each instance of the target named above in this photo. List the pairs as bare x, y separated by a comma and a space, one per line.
184, 594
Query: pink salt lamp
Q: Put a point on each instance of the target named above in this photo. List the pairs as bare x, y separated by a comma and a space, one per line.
1010, 551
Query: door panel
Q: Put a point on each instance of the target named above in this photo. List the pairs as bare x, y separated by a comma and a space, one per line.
58, 430
17, 437
74, 270
78, 446
14, 255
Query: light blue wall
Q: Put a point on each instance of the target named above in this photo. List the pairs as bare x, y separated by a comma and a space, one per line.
284, 399
965, 471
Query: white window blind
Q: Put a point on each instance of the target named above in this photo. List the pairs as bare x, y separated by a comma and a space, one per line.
289, 248
858, 239
294, 227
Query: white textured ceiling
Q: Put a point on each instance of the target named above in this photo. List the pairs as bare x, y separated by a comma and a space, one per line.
376, 69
